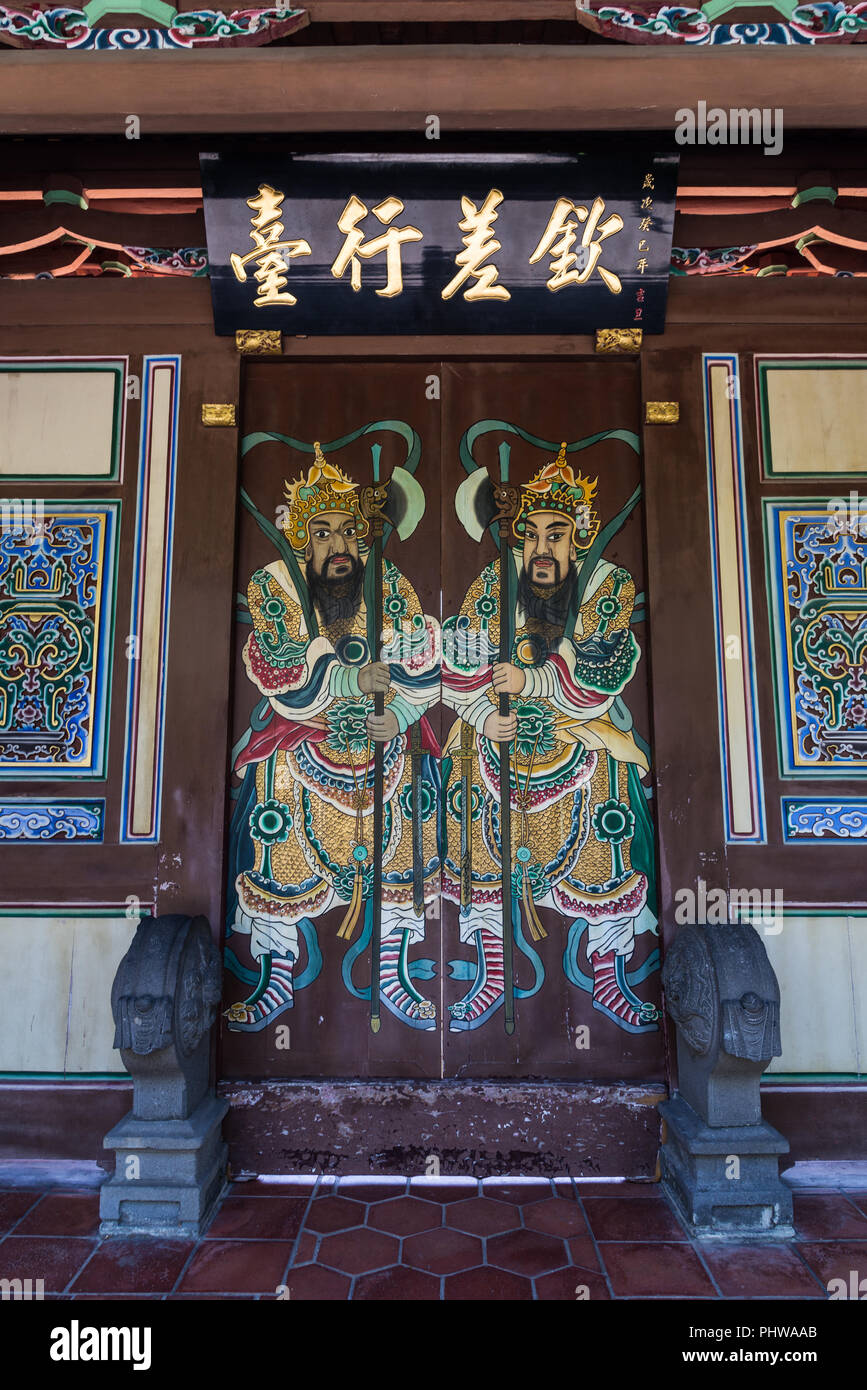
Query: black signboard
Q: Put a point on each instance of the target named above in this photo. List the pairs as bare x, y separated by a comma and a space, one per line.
532, 242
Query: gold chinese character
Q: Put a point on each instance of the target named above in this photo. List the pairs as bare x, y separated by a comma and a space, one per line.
646, 203
641, 264
575, 267
644, 224
480, 243
648, 181
642, 245
390, 242
269, 252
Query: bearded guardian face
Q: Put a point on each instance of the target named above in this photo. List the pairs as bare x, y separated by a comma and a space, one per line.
548, 549
334, 569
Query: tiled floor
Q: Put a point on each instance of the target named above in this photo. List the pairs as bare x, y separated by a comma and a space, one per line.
425, 1239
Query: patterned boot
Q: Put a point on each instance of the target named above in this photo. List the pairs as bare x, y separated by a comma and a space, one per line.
613, 997
273, 995
396, 990
486, 993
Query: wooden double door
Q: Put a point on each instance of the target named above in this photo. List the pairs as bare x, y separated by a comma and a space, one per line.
385, 693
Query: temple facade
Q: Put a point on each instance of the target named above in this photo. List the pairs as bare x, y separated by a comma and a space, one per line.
434, 550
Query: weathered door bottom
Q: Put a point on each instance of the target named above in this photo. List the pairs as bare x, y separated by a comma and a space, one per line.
458, 1128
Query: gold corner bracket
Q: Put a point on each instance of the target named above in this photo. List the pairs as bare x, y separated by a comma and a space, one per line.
259, 342
661, 412
618, 339
223, 414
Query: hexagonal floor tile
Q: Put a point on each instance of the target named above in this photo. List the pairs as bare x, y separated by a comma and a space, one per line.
558, 1216
334, 1214
442, 1251
374, 1189
488, 1284
520, 1191
317, 1284
398, 1283
526, 1252
355, 1252
483, 1216
572, 1285
405, 1216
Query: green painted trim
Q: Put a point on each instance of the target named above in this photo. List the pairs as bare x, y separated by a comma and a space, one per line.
51, 196
808, 910
119, 367
814, 195
771, 270
800, 365
808, 1077
715, 9
65, 1076
808, 239
71, 910
157, 10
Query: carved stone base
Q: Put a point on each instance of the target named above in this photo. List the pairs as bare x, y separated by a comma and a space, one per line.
181, 1174
716, 1196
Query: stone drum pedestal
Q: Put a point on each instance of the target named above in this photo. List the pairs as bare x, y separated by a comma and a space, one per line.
170, 1159
720, 1159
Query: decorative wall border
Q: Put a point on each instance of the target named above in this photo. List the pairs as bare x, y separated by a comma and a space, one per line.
816, 820
108, 512
762, 364
120, 367
737, 701
42, 820
141, 802
775, 513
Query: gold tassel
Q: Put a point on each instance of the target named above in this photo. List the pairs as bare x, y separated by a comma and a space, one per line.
347, 926
537, 931
359, 854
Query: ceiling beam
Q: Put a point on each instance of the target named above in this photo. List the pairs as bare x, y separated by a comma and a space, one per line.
436, 11
469, 87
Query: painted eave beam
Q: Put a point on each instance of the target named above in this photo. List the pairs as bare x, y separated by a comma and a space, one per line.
469, 87
438, 11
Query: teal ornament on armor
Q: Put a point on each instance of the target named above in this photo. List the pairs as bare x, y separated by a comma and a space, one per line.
613, 822
273, 607
608, 607
270, 822
351, 650
427, 801
454, 801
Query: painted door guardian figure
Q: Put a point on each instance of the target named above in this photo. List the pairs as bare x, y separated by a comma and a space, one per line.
311, 796
578, 820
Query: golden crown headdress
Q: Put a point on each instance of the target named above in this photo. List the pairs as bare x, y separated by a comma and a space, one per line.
556, 488
325, 489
